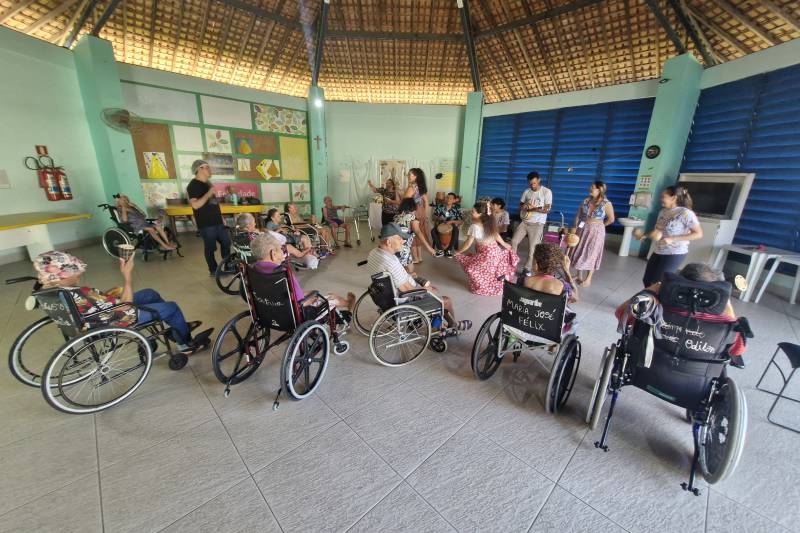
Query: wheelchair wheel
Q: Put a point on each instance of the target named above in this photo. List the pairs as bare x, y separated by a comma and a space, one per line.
114, 237
365, 313
438, 344
227, 276
484, 352
97, 370
601, 387
563, 374
722, 438
178, 361
306, 360
234, 356
32, 349
399, 335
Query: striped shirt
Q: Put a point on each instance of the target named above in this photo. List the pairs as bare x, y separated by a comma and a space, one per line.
380, 260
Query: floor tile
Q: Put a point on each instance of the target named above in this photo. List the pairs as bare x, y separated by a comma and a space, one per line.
725, 515
152, 489
565, 512
18, 410
404, 427
74, 508
240, 509
327, 484
476, 485
403, 510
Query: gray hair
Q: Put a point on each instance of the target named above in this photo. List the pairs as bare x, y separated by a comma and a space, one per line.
701, 272
262, 245
244, 220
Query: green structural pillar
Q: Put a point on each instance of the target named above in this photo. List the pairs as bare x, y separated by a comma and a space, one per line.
318, 147
101, 89
670, 122
470, 149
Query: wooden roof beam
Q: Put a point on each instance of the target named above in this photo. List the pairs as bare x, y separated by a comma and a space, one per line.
538, 17
322, 26
262, 13
783, 14
744, 21
664, 22
104, 17
687, 25
466, 25
52, 14
15, 9
392, 36
724, 35
78, 25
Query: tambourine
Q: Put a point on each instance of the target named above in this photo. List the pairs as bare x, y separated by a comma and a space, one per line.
573, 240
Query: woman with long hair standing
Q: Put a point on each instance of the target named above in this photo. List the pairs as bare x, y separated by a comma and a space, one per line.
418, 190
493, 257
676, 226
406, 218
594, 214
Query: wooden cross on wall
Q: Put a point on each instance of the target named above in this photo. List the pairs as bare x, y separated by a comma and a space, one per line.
318, 139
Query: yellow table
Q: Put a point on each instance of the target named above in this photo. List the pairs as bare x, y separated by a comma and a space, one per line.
30, 230
173, 211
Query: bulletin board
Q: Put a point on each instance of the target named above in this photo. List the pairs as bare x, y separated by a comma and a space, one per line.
153, 139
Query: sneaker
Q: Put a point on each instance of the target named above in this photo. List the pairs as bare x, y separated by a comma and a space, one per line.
449, 253
526, 272
438, 253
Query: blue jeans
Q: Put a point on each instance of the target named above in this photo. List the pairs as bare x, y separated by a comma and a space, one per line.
211, 236
658, 264
169, 312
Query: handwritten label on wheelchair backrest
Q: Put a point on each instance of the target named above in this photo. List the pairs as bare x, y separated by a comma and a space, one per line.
530, 315
691, 338
57, 312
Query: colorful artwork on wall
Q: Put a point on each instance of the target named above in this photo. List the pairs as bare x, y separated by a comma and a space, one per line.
255, 144
448, 169
269, 169
157, 193
156, 165
275, 193
301, 192
280, 119
221, 165
394, 169
294, 158
304, 209
218, 141
243, 190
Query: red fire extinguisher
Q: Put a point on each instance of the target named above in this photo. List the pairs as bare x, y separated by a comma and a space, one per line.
43, 165
51, 189
63, 183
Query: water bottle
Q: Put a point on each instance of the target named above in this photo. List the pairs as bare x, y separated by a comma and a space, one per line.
436, 323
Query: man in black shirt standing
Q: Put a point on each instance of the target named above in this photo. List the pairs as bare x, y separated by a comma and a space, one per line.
207, 214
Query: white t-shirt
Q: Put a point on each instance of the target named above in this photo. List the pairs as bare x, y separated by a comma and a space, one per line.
476, 230
539, 198
280, 237
379, 261
674, 222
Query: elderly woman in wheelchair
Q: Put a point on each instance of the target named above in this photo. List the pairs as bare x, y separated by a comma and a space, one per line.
276, 303
110, 336
134, 228
676, 343
535, 317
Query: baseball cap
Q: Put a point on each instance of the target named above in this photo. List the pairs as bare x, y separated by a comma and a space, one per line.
391, 229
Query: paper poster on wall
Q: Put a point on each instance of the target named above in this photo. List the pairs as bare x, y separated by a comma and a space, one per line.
301, 192
243, 190
221, 165
304, 209
394, 169
185, 164
294, 158
279, 119
218, 141
153, 138
277, 193
225, 112
156, 194
156, 165
255, 144
243, 165
187, 138
269, 169
448, 169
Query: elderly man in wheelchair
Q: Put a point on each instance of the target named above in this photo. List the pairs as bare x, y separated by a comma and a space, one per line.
411, 317
677, 340
132, 227
535, 318
276, 303
110, 336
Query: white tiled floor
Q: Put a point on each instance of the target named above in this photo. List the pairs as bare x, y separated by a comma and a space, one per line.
425, 447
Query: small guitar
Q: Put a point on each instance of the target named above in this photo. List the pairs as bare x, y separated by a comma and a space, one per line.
524, 214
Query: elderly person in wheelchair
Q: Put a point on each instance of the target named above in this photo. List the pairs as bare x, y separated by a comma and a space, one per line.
99, 326
677, 339
535, 317
132, 214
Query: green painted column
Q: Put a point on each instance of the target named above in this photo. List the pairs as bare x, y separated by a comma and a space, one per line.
318, 147
470, 149
100, 89
676, 100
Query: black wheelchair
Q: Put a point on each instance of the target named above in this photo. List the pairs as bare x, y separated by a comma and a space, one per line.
122, 233
95, 364
531, 321
408, 323
227, 274
310, 325
318, 242
682, 359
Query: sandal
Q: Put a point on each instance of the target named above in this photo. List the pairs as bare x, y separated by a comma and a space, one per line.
348, 245
463, 325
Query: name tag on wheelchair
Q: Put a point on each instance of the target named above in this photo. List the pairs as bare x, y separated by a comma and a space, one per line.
693, 338
532, 313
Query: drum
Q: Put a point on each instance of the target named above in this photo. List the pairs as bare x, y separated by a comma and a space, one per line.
445, 235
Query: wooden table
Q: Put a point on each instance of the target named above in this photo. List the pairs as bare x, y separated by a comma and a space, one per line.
173, 211
755, 266
30, 230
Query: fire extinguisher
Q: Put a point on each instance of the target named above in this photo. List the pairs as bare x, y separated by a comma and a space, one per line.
63, 183
43, 165
52, 189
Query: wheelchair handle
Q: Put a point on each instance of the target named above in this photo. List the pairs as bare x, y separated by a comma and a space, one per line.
20, 280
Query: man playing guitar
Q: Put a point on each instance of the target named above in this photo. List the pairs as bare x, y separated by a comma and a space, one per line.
533, 208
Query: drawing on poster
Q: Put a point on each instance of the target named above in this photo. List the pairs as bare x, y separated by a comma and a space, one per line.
294, 158
448, 169
156, 165
221, 165
394, 169
157, 194
279, 119
243, 165
244, 145
301, 192
275, 193
269, 169
218, 141
304, 209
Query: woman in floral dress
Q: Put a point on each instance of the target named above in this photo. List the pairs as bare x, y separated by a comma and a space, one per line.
594, 214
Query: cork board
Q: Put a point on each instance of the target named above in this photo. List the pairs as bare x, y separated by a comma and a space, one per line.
153, 138
254, 144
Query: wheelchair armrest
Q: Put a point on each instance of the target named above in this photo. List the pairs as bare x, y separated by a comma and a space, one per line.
310, 295
413, 293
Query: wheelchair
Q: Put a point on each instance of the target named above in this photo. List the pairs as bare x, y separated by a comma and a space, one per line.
123, 233
98, 364
406, 323
531, 321
227, 274
681, 360
244, 341
318, 242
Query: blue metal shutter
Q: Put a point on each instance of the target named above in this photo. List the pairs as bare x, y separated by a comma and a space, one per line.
495, 159
537, 135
